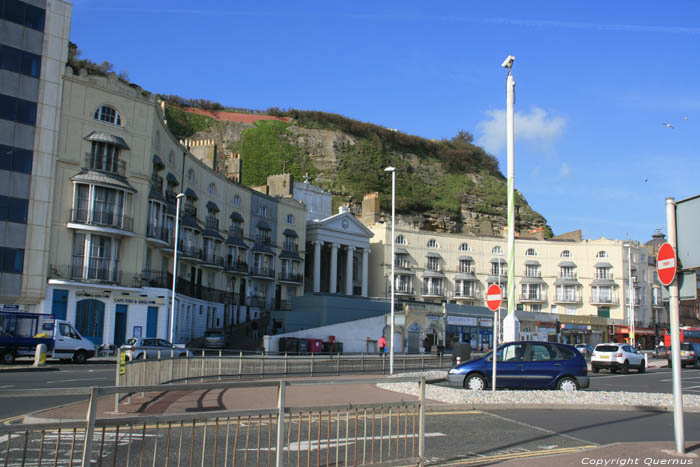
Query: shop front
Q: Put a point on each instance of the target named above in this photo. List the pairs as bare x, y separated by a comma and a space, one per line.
646, 337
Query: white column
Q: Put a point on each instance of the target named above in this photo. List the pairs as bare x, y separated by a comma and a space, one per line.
317, 265
365, 267
334, 268
348, 270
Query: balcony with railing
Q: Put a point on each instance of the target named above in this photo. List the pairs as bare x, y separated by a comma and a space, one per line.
604, 276
189, 252
434, 267
157, 184
236, 267
257, 301
102, 163
467, 294
158, 233
290, 246
98, 273
404, 289
401, 263
433, 291
263, 240
571, 298
190, 210
211, 223
102, 217
604, 299
294, 277
156, 278
236, 232
211, 259
532, 296
568, 275
263, 272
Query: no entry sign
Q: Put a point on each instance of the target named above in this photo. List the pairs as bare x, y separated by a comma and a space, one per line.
494, 295
666, 264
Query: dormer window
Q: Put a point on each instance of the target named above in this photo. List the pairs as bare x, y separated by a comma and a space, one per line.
497, 250
531, 252
108, 114
601, 254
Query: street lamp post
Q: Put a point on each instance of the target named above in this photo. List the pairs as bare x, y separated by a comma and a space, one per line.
511, 325
172, 302
393, 256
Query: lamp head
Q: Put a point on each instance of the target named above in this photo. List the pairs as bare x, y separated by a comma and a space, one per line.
508, 62
389, 169
180, 195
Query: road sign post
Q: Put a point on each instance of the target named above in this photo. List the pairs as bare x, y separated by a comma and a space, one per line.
494, 296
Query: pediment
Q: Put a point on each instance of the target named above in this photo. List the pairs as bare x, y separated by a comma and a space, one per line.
343, 222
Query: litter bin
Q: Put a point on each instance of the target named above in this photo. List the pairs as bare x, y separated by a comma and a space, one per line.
315, 345
461, 351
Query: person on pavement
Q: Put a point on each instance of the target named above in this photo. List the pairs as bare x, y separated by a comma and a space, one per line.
382, 345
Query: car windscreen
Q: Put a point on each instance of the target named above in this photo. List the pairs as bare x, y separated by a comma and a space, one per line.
686, 346
606, 348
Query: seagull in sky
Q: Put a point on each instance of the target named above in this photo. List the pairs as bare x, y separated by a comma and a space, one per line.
667, 125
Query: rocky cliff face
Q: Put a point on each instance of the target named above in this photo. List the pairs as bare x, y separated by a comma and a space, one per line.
481, 204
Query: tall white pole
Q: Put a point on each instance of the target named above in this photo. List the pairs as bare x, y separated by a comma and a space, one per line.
172, 300
393, 256
630, 292
674, 306
511, 326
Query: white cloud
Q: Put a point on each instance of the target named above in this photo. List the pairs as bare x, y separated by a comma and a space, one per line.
564, 170
537, 128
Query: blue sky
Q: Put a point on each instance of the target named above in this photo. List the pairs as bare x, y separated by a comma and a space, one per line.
595, 81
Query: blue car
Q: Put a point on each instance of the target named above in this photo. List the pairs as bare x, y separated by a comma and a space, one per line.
527, 365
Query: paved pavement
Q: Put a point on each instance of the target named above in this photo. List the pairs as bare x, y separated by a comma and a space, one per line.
647, 453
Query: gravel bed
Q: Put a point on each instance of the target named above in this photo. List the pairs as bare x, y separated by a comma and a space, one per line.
525, 398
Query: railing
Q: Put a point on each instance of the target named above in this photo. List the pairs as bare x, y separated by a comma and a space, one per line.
465, 269
190, 210
194, 290
290, 246
158, 232
100, 274
566, 298
401, 263
236, 266
109, 164
102, 217
212, 223
568, 275
404, 290
156, 278
258, 302
532, 274
604, 300
210, 258
531, 297
291, 277
157, 183
200, 366
189, 251
435, 291
434, 267
390, 433
263, 272
235, 232
469, 294
609, 276
263, 240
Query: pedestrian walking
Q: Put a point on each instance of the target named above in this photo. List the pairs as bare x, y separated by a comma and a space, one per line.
382, 346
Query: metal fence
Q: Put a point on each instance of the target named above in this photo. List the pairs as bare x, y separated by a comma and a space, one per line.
361, 434
168, 368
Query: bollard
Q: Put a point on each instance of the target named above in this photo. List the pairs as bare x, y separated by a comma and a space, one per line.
646, 361
459, 360
40, 355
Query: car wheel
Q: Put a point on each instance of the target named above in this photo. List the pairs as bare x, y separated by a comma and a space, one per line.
567, 384
80, 357
642, 367
613, 370
475, 382
595, 369
625, 368
7, 357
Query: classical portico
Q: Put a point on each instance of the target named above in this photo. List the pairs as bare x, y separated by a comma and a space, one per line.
337, 255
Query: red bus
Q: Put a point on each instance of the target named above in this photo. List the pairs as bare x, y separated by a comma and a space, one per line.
688, 334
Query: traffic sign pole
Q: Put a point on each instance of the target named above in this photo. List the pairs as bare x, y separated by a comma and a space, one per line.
494, 297
674, 306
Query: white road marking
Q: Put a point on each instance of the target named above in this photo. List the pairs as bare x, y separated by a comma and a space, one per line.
325, 443
541, 429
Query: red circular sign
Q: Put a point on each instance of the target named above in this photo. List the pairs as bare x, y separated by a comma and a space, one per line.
494, 295
666, 264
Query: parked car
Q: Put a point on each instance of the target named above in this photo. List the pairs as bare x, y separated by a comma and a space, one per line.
149, 346
690, 354
585, 349
531, 365
617, 357
215, 339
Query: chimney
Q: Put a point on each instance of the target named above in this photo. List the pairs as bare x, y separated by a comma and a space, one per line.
370, 208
